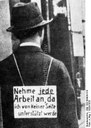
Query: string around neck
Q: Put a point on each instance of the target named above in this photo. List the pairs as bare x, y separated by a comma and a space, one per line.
18, 70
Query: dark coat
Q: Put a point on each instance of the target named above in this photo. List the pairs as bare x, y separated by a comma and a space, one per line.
31, 61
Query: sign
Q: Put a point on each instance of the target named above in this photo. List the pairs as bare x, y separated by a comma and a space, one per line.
35, 101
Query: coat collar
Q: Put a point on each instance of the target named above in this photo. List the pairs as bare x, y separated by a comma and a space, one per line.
27, 49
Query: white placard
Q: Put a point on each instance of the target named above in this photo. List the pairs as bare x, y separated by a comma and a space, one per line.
35, 101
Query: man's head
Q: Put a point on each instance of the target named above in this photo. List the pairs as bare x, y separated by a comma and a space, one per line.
29, 33
26, 20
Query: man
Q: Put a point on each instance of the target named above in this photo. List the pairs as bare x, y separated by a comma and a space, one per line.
29, 66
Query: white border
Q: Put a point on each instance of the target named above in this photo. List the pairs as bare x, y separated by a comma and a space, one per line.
88, 51
88, 46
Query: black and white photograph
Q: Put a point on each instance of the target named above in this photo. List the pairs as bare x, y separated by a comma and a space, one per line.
42, 64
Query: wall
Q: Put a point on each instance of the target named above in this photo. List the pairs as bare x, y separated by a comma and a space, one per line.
5, 37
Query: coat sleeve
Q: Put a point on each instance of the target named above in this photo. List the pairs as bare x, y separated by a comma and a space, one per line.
66, 98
